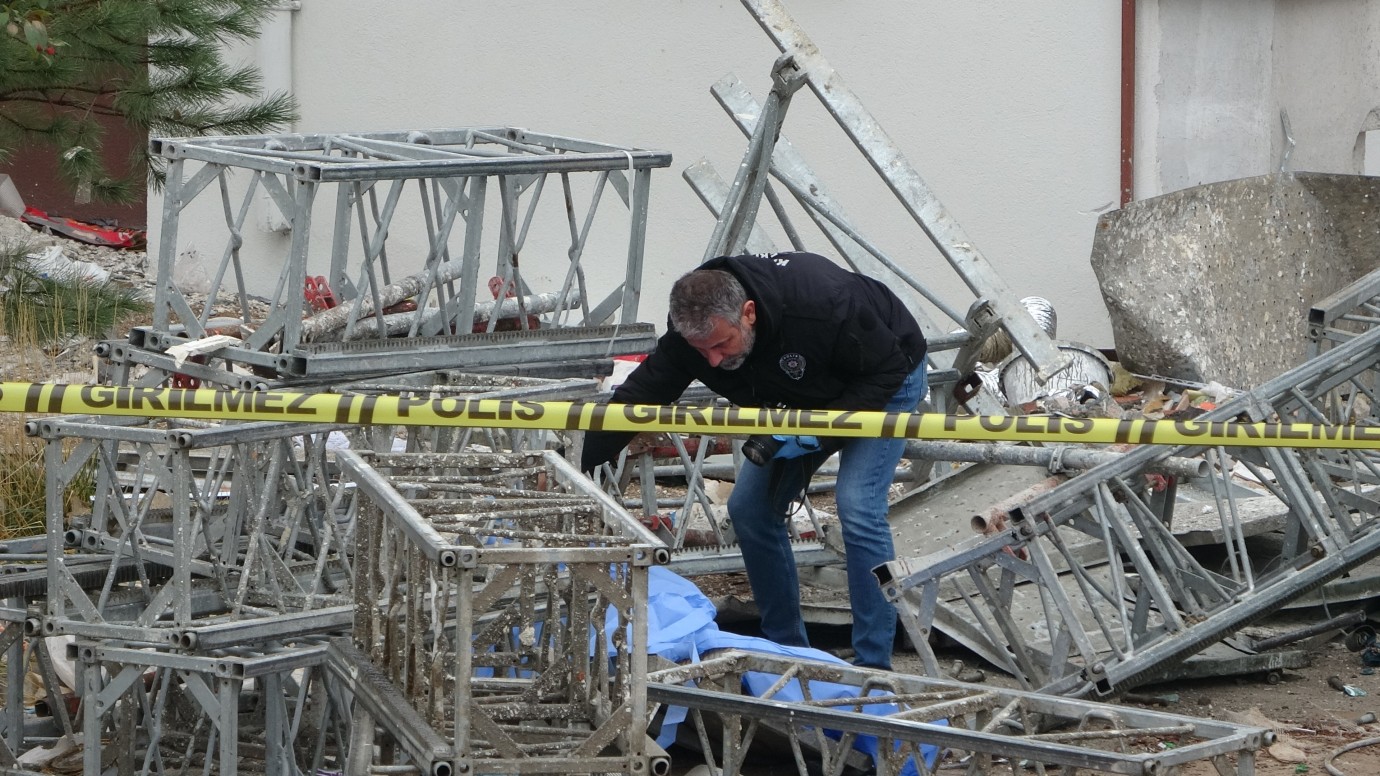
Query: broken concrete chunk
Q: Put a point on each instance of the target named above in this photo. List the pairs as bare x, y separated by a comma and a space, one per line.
1215, 282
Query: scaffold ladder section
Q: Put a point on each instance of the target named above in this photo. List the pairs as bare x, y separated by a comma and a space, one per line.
830, 714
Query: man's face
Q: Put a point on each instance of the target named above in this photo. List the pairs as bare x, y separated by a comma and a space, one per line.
727, 346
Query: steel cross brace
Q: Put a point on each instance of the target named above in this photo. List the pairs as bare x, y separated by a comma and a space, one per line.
1029, 598
910, 189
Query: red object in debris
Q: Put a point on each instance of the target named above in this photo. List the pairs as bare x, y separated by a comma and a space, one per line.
658, 521
511, 323
180, 380
84, 232
318, 293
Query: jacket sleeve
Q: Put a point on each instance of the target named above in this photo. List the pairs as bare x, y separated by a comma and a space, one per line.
869, 357
660, 379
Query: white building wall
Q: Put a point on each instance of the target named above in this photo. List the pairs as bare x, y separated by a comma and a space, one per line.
1009, 111
1216, 77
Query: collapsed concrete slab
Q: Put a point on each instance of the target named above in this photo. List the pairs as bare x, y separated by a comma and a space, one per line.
1212, 282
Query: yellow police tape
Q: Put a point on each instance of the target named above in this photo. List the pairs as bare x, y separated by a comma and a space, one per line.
283, 406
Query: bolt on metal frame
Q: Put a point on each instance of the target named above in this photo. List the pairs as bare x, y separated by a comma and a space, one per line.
974, 729
506, 598
1087, 590
369, 174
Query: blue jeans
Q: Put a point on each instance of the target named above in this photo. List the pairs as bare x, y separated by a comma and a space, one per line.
759, 507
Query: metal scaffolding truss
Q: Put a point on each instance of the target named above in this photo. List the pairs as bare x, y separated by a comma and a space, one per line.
769, 155
261, 710
435, 187
1342, 315
826, 713
194, 527
506, 599
1088, 590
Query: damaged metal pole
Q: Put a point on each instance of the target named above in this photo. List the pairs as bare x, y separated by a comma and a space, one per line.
915, 196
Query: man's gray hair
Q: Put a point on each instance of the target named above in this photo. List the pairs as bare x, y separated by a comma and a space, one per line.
702, 295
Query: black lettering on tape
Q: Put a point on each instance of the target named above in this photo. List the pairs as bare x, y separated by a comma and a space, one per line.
843, 420
1320, 431
406, 403
474, 409
1288, 431
94, 396
1191, 428
150, 397
189, 402
231, 401
694, 414
775, 417
31, 398
1147, 431
1077, 425
995, 422
297, 405
1365, 434
267, 403
813, 419
735, 417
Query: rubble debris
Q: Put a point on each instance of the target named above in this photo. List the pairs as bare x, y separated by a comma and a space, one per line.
95, 234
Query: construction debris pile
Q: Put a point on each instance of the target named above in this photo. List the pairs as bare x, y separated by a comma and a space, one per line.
346, 598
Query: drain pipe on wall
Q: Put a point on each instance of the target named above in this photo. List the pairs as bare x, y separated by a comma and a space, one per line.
275, 63
1128, 100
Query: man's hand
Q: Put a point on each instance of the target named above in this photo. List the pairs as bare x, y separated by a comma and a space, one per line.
796, 446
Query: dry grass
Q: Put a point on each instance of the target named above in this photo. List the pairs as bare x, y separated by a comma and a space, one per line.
38, 313
22, 485
44, 309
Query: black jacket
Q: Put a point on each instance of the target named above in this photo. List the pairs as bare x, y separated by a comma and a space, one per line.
826, 338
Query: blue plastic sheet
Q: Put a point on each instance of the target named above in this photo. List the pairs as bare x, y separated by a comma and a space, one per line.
681, 628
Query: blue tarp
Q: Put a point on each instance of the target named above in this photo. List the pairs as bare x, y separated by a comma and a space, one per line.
681, 627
